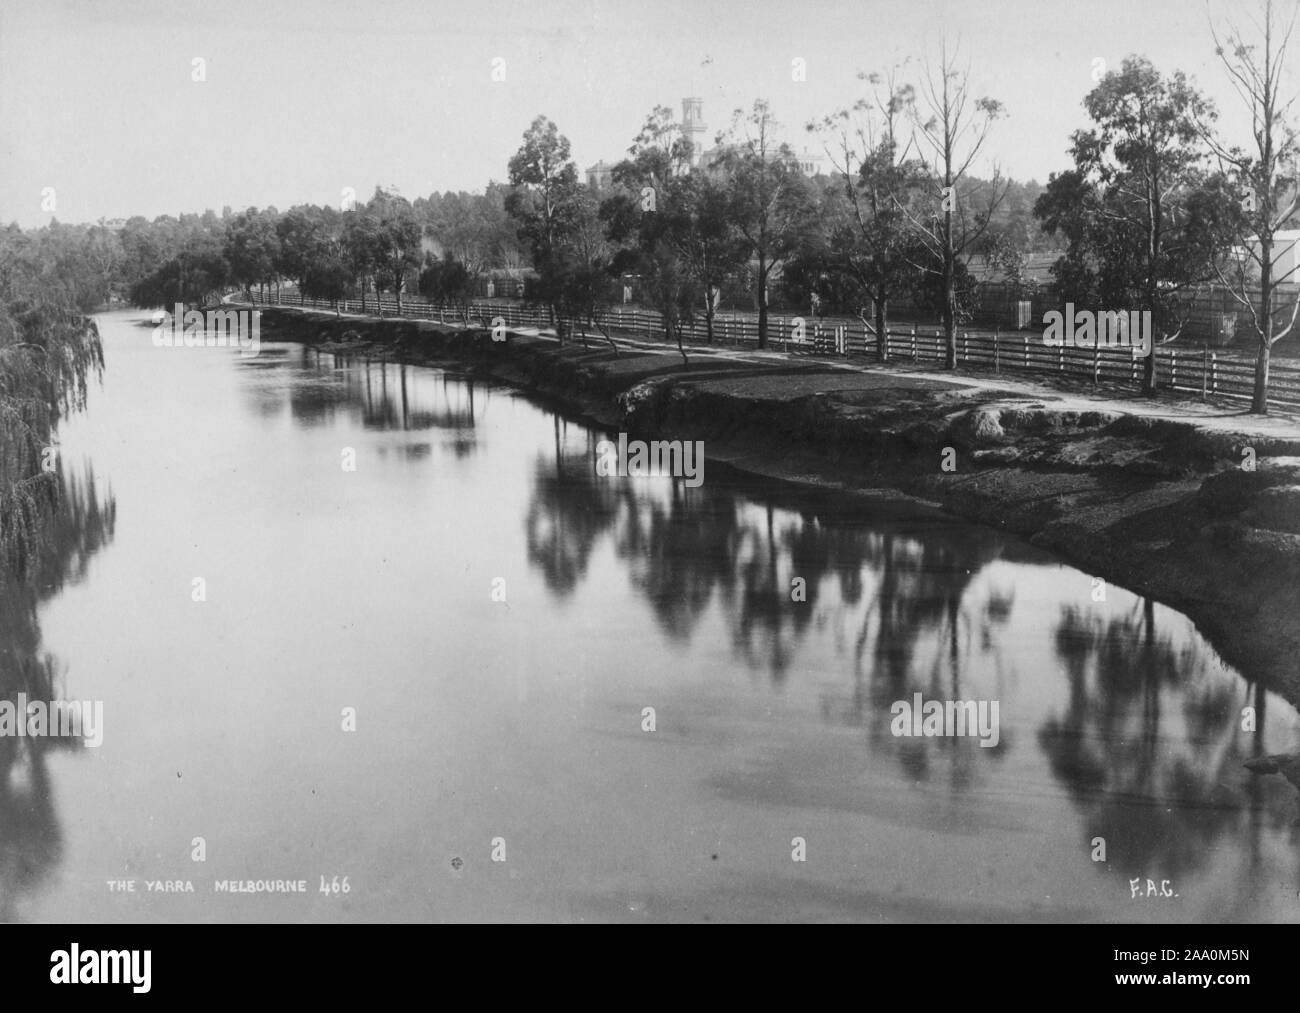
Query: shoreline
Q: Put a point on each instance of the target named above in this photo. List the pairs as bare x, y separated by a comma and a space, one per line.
1161, 506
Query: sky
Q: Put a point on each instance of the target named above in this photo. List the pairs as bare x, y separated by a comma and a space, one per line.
298, 102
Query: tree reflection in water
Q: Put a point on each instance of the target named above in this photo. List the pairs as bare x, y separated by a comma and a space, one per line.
30, 837
1145, 739
906, 607
380, 395
1151, 746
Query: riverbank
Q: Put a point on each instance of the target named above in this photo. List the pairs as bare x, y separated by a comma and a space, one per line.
1157, 498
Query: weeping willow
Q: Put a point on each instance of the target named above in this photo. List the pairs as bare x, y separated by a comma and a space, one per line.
48, 355
50, 525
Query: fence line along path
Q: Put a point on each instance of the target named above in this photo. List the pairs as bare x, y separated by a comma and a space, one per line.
1203, 371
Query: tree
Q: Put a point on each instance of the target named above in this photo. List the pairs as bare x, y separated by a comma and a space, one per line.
360, 243
104, 257
395, 240
711, 247
252, 248
188, 279
49, 352
299, 231
871, 241
543, 202
585, 284
447, 282
648, 221
473, 228
951, 127
327, 277
1268, 194
770, 202
141, 249
1141, 216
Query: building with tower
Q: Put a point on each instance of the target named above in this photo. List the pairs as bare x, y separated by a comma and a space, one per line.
693, 128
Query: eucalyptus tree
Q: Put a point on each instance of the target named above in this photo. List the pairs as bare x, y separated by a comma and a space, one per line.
951, 125
1143, 216
870, 239
645, 219
544, 203
252, 248
771, 204
395, 241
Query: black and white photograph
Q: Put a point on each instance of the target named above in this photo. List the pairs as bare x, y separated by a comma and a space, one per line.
602, 462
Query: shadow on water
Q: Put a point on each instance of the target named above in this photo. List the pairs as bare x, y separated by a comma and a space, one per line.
30, 836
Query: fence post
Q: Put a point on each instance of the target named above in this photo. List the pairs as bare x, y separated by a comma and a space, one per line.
1026, 337
1205, 369
997, 362
1214, 372
1096, 362
1173, 367
913, 344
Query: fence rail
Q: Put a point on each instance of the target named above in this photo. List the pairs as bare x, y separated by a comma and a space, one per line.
1203, 371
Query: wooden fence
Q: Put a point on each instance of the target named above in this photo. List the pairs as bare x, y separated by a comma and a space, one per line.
1197, 370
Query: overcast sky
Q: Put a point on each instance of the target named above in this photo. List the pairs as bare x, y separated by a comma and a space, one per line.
301, 100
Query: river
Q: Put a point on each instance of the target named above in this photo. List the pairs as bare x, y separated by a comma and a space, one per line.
307, 676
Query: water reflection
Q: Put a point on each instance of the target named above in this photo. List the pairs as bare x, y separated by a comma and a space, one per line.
30, 836
1141, 727
328, 389
1117, 720
1151, 742
905, 606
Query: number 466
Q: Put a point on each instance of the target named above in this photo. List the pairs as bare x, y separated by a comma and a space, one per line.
333, 886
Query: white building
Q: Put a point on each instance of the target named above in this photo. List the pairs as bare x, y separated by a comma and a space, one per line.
1286, 256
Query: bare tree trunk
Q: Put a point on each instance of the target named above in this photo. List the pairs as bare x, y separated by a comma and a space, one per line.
949, 301
601, 327
1259, 398
1149, 367
882, 328
557, 322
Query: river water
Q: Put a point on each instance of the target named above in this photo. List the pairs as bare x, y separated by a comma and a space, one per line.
648, 727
